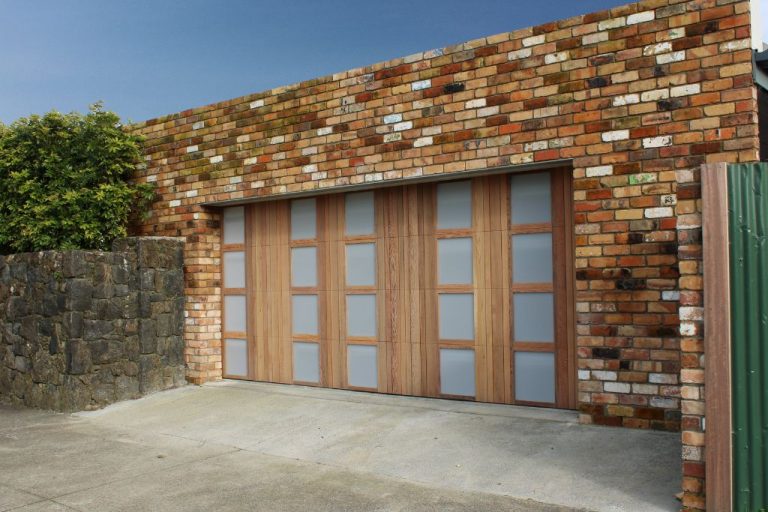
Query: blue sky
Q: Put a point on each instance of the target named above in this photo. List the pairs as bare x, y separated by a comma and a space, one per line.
146, 58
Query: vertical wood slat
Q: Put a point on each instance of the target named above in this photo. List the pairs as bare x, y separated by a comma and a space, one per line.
282, 292
717, 339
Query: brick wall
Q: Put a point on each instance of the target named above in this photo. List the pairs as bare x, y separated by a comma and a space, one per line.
637, 97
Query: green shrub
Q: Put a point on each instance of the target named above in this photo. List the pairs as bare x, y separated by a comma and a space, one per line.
63, 181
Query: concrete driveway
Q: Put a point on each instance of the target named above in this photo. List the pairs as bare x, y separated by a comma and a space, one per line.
262, 447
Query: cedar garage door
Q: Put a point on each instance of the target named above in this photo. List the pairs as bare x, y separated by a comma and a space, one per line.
457, 289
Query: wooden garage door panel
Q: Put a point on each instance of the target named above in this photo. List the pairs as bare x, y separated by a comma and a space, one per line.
405, 251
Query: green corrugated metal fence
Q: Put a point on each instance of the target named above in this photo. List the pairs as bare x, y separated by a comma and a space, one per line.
748, 228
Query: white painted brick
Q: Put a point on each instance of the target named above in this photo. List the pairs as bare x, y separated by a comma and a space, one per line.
562, 142
654, 49
277, 140
307, 169
690, 313
519, 54
392, 137
732, 46
405, 125
421, 84
422, 141
603, 375
687, 329
645, 389
311, 150
488, 111
198, 125
536, 146
685, 90
521, 158
676, 33
584, 374
617, 387
478, 103
216, 159
552, 58
668, 200
243, 138
655, 95
393, 118
657, 142
152, 178
615, 135
534, 40
641, 17
597, 37
191, 193
627, 99
670, 295
191, 149
257, 104
693, 452
684, 176
175, 203
612, 23
662, 378
659, 212
666, 58
664, 403
599, 170
319, 175
324, 131
250, 161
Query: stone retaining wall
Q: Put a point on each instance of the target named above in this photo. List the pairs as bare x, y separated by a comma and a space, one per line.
82, 329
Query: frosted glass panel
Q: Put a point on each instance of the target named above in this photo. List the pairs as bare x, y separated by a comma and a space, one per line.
306, 362
303, 219
304, 266
359, 214
457, 371
457, 316
531, 198
362, 366
235, 357
454, 260
234, 225
234, 269
234, 313
535, 376
361, 315
532, 258
534, 317
305, 314
454, 205
361, 264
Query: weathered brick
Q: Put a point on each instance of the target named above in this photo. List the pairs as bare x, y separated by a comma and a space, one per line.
637, 98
